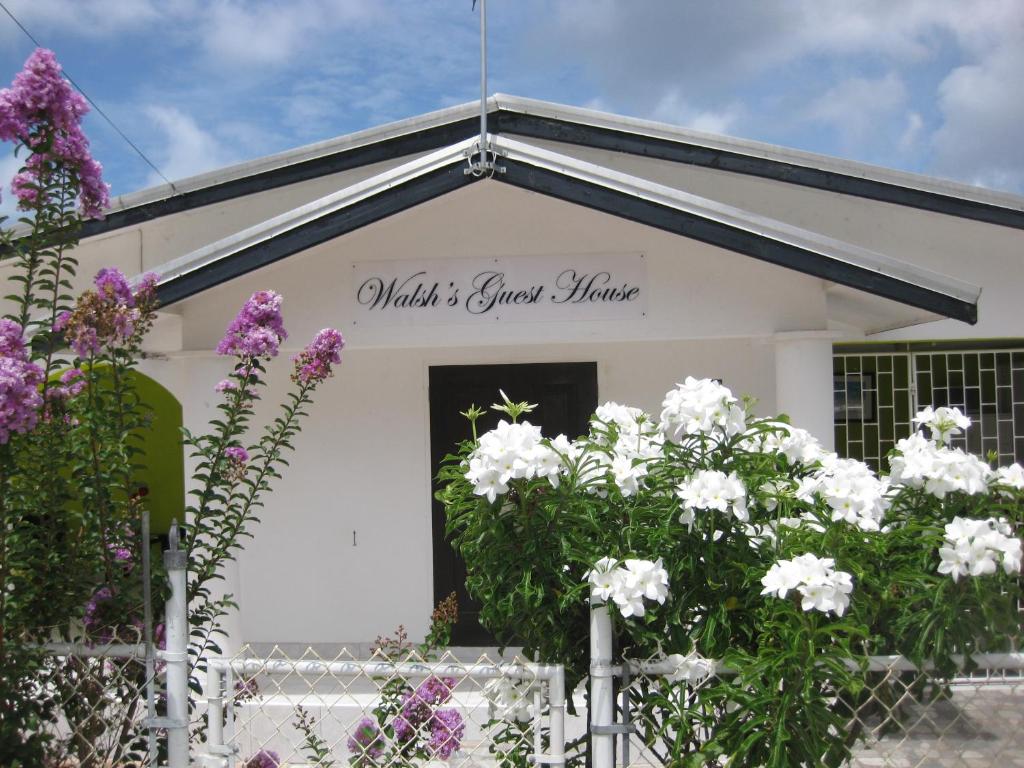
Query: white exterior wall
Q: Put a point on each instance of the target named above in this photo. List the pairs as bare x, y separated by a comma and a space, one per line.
362, 460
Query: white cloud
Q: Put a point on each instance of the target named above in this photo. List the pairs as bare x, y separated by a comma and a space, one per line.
980, 137
271, 33
856, 106
911, 136
188, 149
673, 108
88, 18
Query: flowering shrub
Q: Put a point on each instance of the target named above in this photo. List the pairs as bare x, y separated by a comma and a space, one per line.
231, 477
714, 534
411, 723
71, 428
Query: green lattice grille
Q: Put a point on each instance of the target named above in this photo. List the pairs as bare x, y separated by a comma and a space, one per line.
874, 399
872, 404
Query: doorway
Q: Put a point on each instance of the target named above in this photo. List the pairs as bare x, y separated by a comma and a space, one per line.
566, 396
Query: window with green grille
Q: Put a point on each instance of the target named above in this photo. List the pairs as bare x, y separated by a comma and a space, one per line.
877, 393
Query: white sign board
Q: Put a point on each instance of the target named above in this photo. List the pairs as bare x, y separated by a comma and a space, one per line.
504, 289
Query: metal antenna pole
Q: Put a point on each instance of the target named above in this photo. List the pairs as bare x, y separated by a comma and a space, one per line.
482, 164
483, 80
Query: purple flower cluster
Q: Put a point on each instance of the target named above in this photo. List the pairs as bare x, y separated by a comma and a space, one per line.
42, 110
265, 758
93, 619
446, 731
313, 364
108, 315
236, 454
72, 382
20, 379
418, 705
257, 330
366, 741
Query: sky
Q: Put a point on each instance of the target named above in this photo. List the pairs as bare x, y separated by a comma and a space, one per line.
929, 86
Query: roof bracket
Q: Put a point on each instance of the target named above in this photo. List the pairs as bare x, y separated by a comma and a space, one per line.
485, 162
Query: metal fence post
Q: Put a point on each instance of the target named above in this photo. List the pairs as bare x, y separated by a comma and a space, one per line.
176, 655
602, 691
556, 715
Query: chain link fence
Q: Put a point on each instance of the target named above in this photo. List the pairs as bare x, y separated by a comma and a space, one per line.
387, 710
102, 702
903, 718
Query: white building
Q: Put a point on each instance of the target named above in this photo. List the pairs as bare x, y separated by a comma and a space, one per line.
605, 260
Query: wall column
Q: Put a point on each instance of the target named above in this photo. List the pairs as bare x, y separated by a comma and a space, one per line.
803, 381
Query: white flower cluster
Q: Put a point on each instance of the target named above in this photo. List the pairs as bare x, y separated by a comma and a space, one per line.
798, 445
1009, 477
821, 587
712, 489
974, 546
920, 463
637, 443
509, 700
691, 668
853, 492
700, 406
942, 422
630, 585
513, 451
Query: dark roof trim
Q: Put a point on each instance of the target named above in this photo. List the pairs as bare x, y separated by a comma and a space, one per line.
553, 129
386, 203
407, 144
716, 233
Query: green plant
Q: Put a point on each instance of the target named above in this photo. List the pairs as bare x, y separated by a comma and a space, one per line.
714, 534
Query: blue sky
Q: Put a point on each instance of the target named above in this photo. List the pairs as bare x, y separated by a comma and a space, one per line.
931, 86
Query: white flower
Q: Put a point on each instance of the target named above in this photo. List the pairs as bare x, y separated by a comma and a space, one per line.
508, 700
821, 587
853, 492
781, 578
1011, 477
975, 548
920, 463
693, 668
650, 579
628, 587
700, 406
714, 490
943, 423
605, 579
513, 452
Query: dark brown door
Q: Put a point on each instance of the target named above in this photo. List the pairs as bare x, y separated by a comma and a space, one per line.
566, 396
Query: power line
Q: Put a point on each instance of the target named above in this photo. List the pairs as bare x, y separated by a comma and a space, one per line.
94, 105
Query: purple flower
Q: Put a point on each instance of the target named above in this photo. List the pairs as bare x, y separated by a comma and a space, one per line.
227, 385
257, 330
11, 342
112, 285
74, 380
366, 740
43, 111
446, 731
418, 705
236, 454
145, 288
107, 316
265, 758
313, 364
20, 400
93, 620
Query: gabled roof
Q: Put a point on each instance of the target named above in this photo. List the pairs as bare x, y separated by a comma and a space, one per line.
573, 180
529, 118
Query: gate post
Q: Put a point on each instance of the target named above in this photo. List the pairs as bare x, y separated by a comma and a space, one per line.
176, 655
602, 690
